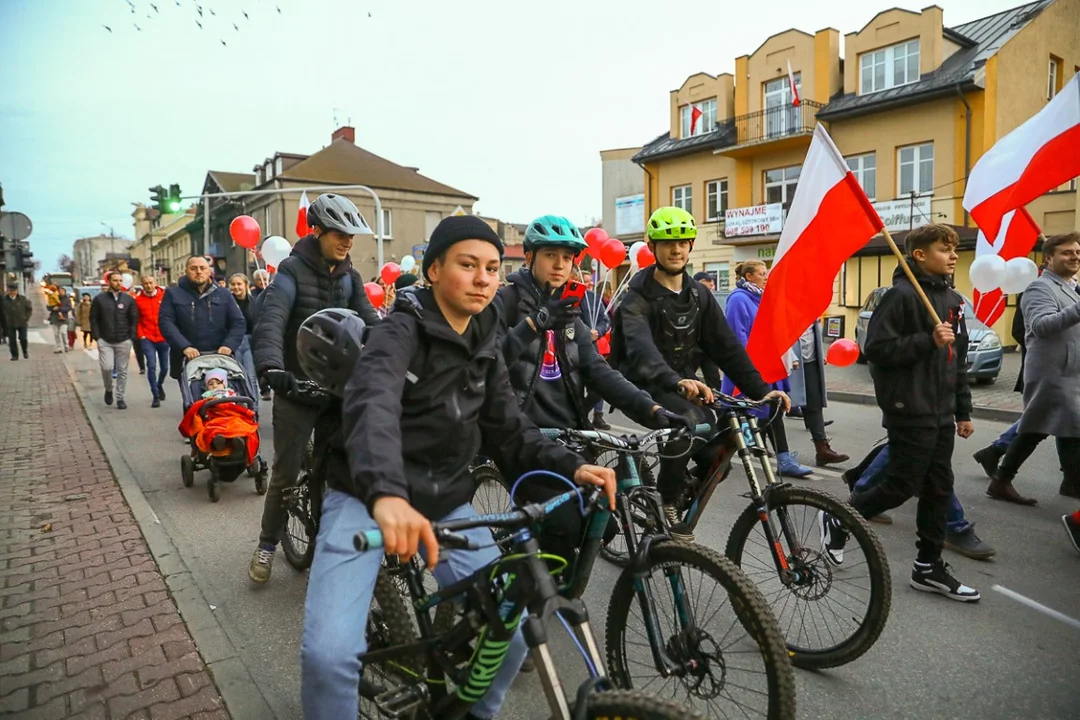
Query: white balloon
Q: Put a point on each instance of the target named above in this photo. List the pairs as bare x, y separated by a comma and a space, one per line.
275, 249
408, 263
987, 272
126, 280
1019, 273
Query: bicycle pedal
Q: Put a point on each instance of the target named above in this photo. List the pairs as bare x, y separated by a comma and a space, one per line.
400, 702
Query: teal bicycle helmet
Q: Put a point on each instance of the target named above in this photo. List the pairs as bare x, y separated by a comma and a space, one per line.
553, 231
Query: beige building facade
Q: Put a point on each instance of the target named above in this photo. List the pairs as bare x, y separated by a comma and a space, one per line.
912, 105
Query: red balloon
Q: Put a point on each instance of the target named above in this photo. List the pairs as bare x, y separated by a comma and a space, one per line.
645, 257
595, 239
612, 253
375, 293
842, 352
244, 231
390, 272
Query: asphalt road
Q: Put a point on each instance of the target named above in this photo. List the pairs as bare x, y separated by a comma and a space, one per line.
935, 659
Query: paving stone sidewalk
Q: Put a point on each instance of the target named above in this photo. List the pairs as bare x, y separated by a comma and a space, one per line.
87, 626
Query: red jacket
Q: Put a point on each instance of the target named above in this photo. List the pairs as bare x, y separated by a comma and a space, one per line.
149, 307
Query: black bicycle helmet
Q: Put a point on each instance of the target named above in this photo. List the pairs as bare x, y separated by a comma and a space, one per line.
328, 344
337, 212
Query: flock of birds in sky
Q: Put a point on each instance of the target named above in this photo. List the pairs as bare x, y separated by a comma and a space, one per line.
199, 7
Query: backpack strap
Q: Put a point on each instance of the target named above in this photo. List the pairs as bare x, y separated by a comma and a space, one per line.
347, 286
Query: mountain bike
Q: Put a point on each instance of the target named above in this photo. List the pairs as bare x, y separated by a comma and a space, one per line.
683, 621
779, 541
303, 501
439, 675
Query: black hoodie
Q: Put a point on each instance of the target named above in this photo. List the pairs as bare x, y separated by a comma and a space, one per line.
302, 286
918, 384
550, 372
639, 322
421, 402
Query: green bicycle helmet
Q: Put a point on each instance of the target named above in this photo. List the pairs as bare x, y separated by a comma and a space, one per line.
553, 231
671, 223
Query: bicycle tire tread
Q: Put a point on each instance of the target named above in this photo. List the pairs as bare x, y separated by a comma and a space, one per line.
634, 705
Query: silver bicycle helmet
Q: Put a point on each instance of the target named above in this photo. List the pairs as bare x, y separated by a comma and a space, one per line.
337, 212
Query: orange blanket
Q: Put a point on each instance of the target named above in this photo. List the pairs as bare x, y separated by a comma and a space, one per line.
228, 420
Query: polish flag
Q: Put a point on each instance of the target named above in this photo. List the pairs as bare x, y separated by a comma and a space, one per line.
1017, 238
794, 88
1035, 158
302, 227
829, 220
695, 115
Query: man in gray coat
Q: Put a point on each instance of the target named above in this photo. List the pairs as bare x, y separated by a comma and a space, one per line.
1051, 307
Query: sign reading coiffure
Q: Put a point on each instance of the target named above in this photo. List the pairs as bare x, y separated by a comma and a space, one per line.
756, 220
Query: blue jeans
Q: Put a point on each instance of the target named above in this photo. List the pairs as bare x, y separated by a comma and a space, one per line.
875, 473
340, 586
247, 361
155, 353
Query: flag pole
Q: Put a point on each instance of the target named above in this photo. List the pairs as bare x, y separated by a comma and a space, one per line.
911, 276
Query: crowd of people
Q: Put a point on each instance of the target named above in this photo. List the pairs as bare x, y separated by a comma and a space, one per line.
457, 363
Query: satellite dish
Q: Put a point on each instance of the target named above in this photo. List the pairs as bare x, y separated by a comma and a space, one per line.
15, 225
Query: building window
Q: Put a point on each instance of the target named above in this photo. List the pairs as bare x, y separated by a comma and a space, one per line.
864, 168
266, 222
683, 197
780, 184
716, 200
387, 223
915, 167
1053, 78
268, 170
706, 123
722, 274
889, 67
277, 166
781, 116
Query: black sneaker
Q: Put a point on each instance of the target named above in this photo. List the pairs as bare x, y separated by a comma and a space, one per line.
988, 457
936, 578
155, 403
1072, 527
968, 544
108, 397
121, 405
161, 393
598, 422
833, 538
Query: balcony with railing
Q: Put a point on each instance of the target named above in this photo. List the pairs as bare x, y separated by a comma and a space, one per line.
782, 125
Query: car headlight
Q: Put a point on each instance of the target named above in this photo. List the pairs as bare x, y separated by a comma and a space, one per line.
990, 342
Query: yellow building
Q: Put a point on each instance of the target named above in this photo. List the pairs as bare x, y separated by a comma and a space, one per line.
912, 105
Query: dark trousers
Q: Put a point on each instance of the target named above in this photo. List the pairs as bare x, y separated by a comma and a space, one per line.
17, 338
813, 417
1024, 444
777, 434
920, 463
157, 362
673, 465
140, 357
293, 424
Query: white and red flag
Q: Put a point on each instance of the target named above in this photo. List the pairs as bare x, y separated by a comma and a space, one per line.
829, 220
695, 115
794, 88
1035, 158
1016, 239
302, 227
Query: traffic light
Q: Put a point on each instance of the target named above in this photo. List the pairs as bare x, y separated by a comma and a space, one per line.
174, 198
159, 198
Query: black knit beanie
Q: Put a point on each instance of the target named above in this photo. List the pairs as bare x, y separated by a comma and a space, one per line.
454, 229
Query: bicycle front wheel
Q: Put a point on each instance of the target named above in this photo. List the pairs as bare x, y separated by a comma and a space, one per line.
630, 705
389, 625
829, 612
715, 629
298, 535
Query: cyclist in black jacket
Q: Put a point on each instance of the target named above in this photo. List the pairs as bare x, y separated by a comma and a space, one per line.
664, 328
430, 388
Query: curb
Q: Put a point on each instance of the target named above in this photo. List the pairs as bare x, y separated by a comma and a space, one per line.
981, 412
238, 689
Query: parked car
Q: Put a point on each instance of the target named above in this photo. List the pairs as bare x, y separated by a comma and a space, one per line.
91, 290
984, 346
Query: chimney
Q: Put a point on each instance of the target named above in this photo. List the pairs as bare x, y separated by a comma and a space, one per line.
345, 132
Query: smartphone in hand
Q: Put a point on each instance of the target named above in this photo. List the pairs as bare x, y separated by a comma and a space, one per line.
575, 290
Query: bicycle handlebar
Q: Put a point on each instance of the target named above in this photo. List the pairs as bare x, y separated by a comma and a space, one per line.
630, 442
725, 402
447, 532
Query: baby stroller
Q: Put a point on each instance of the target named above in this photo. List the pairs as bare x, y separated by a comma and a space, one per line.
224, 445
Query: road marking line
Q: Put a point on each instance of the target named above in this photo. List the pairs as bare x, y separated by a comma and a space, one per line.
1061, 617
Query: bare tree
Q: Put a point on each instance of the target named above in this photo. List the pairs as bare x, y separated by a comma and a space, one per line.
66, 264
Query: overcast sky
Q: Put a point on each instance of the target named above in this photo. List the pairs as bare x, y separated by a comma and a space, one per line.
511, 101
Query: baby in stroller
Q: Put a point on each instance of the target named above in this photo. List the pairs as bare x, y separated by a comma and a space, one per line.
221, 423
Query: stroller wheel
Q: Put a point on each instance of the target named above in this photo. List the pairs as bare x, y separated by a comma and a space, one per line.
260, 483
187, 470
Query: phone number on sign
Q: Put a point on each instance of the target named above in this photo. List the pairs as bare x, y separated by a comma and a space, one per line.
755, 229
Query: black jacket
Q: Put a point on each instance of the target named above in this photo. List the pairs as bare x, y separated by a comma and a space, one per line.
113, 318
420, 403
302, 286
205, 321
639, 322
918, 384
17, 311
550, 387
248, 311
1019, 330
